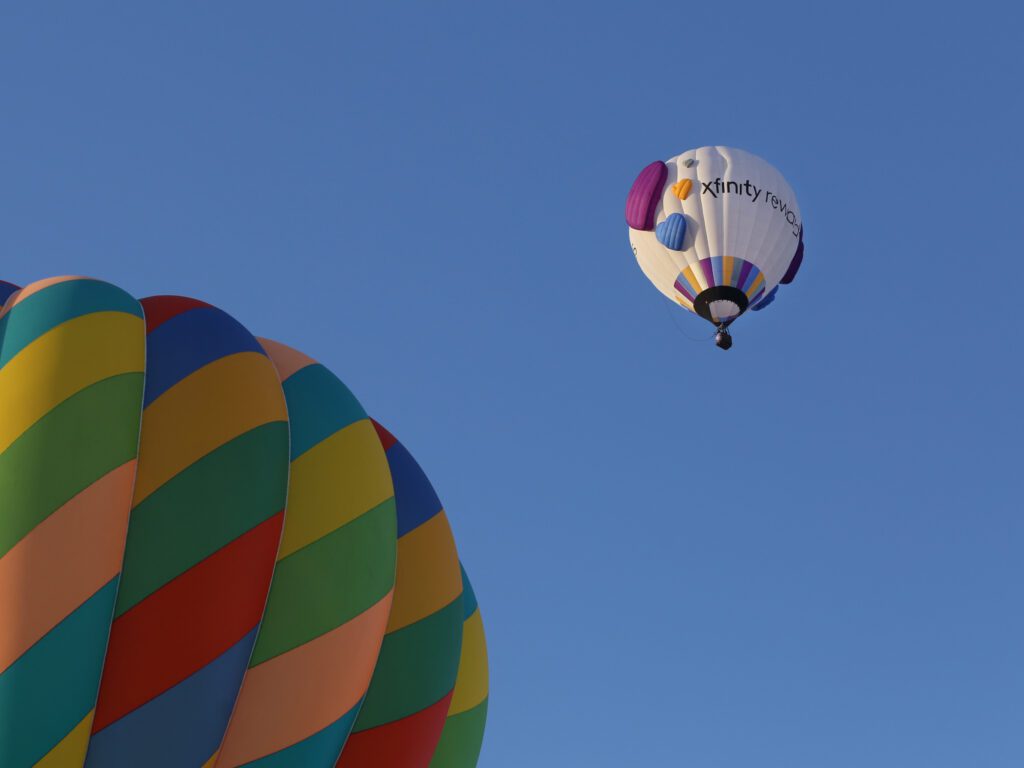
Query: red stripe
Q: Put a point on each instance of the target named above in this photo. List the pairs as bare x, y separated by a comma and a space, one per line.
160, 309
406, 743
386, 438
187, 623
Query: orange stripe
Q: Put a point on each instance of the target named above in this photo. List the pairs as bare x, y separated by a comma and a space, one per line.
299, 693
286, 359
758, 282
427, 575
19, 296
204, 411
63, 561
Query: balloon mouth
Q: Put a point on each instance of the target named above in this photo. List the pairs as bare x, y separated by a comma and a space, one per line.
720, 304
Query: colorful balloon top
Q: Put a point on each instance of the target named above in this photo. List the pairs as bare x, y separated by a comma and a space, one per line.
208, 551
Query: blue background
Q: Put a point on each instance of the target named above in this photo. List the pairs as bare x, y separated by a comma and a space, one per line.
804, 552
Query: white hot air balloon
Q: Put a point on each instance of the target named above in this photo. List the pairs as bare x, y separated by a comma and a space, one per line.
716, 230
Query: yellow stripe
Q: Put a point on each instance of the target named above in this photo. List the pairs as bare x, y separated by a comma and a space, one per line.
727, 270
70, 752
212, 761
63, 361
684, 302
758, 282
334, 483
427, 576
694, 282
471, 683
202, 412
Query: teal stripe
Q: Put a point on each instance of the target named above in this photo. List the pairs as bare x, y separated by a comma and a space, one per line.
318, 406
53, 686
321, 750
468, 595
45, 310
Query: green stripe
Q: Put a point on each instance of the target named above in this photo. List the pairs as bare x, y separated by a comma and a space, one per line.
461, 739
45, 310
51, 688
229, 491
91, 433
416, 668
319, 405
329, 582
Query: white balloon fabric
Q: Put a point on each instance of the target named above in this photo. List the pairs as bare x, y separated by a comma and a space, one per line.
716, 230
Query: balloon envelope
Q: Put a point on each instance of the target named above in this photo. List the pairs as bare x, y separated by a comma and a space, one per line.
714, 229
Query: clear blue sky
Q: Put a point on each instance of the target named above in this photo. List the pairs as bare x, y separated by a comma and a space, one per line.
804, 552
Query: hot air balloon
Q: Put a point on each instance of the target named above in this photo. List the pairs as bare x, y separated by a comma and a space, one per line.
716, 230
200, 533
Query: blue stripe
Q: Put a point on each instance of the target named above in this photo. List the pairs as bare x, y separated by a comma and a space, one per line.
751, 277
53, 686
187, 342
183, 726
318, 406
716, 269
415, 498
56, 304
321, 750
6, 289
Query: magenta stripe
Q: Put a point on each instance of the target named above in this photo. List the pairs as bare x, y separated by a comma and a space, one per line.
709, 272
743, 275
683, 289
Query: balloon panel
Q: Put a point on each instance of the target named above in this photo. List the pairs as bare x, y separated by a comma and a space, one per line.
71, 384
331, 592
404, 710
207, 512
463, 734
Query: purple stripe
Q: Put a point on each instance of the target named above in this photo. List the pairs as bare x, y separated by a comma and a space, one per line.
679, 286
743, 275
709, 273
794, 265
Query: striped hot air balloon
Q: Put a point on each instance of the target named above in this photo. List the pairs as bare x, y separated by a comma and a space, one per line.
210, 556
